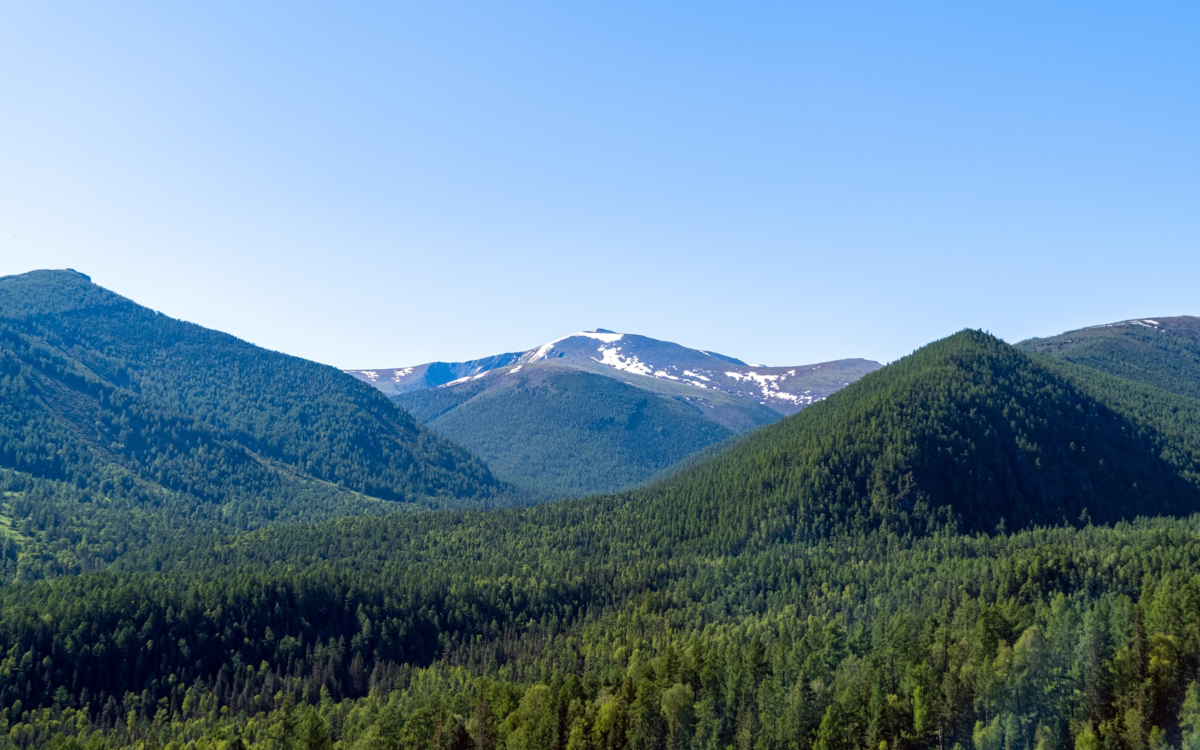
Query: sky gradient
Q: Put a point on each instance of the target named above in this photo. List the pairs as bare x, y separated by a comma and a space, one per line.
376, 185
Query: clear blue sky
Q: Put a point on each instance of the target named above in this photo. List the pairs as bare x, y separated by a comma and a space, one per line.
372, 185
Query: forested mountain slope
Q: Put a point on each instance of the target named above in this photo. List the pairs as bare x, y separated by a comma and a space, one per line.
566, 432
131, 413
1162, 352
809, 587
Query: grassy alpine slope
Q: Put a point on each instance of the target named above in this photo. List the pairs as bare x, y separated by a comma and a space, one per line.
113, 416
814, 586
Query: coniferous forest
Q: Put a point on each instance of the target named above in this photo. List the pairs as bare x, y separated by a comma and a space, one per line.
206, 545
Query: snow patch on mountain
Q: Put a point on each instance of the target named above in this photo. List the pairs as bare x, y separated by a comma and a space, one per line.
543, 350
613, 358
762, 380
465, 379
769, 386
373, 375
630, 354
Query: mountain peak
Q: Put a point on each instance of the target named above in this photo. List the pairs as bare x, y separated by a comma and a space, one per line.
52, 292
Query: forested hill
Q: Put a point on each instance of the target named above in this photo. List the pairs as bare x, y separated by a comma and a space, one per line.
967, 428
1162, 352
125, 405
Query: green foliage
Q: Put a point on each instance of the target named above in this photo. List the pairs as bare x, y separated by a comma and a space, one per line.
562, 432
59, 529
988, 641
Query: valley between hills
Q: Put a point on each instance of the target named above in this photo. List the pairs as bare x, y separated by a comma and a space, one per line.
604, 542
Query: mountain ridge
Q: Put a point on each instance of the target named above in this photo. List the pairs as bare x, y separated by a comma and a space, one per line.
623, 355
1163, 352
968, 424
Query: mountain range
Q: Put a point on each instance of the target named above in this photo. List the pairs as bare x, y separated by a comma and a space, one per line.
978, 545
634, 359
599, 411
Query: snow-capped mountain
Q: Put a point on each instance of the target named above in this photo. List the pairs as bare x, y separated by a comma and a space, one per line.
643, 362
396, 380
